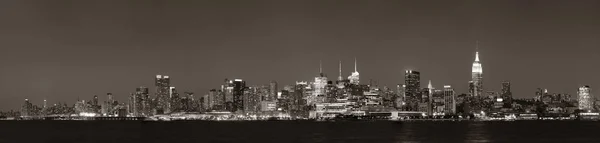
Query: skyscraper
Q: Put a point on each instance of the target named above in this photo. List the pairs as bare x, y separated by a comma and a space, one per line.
272, 91
412, 81
110, 99
585, 98
400, 96
449, 100
163, 85
238, 95
506, 93
320, 83
94, 102
355, 76
476, 76
141, 102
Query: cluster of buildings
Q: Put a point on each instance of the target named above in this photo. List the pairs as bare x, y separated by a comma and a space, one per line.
323, 98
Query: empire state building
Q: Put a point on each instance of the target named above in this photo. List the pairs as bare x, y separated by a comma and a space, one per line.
477, 77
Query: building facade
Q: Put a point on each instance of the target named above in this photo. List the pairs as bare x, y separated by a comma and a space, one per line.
585, 98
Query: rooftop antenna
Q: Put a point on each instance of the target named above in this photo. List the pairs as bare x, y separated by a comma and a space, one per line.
355, 65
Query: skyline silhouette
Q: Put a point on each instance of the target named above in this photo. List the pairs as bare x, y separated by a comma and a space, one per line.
62, 50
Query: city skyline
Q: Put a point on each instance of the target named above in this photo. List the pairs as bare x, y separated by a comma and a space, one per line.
47, 54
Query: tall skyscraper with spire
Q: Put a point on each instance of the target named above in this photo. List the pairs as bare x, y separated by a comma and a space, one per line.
354, 77
340, 80
477, 75
320, 82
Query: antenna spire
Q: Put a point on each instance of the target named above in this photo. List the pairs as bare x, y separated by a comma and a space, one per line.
340, 68
477, 51
355, 65
320, 66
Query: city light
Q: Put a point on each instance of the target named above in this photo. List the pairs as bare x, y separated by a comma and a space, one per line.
323, 99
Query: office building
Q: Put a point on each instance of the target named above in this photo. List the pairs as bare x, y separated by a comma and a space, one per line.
506, 93
585, 98
449, 100
163, 87
412, 82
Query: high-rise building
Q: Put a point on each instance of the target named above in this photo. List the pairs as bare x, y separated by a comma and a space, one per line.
272, 91
110, 99
213, 100
320, 83
163, 86
251, 100
412, 80
355, 76
450, 100
506, 93
400, 96
238, 94
477, 76
585, 98
26, 108
94, 102
141, 102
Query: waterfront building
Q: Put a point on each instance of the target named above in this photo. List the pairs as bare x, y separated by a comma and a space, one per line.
239, 87
266, 106
585, 98
412, 82
163, 86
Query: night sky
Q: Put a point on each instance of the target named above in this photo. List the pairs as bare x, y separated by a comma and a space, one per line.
64, 49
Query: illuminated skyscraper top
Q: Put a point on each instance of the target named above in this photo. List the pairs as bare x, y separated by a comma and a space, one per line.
354, 77
320, 82
477, 74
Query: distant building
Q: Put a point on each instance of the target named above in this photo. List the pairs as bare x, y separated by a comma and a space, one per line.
355, 76
506, 93
268, 106
238, 93
477, 76
450, 100
26, 108
141, 102
163, 86
412, 82
251, 100
400, 96
272, 91
585, 98
319, 84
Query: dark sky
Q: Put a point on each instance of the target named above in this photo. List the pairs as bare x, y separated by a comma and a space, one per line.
64, 49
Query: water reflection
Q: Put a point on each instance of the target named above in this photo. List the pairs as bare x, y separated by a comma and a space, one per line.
406, 133
476, 132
